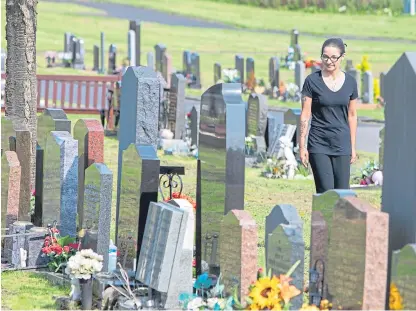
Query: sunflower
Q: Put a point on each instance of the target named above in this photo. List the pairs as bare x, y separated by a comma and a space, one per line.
265, 292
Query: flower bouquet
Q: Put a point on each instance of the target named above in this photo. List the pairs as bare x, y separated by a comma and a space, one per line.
84, 264
58, 249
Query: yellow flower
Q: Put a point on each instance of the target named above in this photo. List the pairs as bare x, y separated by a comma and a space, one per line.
254, 307
325, 305
287, 291
395, 299
265, 292
306, 307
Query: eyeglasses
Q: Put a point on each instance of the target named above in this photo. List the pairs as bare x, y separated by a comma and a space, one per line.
333, 59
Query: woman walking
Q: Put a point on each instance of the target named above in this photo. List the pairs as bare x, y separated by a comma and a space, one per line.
329, 97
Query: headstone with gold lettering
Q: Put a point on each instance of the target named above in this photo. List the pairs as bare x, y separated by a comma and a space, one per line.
256, 115
285, 246
238, 251
403, 279
356, 270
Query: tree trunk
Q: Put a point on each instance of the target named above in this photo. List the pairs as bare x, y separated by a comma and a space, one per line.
21, 82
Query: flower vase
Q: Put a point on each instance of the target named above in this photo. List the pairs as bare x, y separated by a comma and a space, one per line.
86, 293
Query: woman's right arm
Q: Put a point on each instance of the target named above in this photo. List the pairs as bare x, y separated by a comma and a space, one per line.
304, 124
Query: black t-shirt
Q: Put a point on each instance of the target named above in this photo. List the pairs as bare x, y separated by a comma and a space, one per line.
329, 132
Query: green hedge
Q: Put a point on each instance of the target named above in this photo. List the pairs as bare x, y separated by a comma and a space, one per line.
353, 6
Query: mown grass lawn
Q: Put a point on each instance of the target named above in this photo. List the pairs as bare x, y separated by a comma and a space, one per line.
251, 17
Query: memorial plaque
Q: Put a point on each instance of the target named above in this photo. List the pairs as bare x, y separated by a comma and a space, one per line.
257, 114
10, 188
176, 116
282, 214
239, 65
238, 251
221, 151
356, 272
90, 136
60, 187
138, 187
285, 247
97, 206
403, 277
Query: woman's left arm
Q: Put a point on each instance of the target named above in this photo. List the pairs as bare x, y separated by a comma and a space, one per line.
352, 121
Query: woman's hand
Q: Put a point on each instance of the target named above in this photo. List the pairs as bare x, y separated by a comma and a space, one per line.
304, 156
353, 156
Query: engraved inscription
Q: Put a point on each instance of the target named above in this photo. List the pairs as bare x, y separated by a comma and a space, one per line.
91, 206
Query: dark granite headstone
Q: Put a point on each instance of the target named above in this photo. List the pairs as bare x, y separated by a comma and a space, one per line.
97, 206
368, 88
67, 42
196, 71
160, 49
300, 74
294, 38
138, 187
399, 196
136, 26
90, 136
256, 115
249, 68
96, 58
403, 276
274, 67
356, 270
186, 62
52, 119
217, 72
239, 65
222, 154
382, 86
34, 244
176, 116
194, 126
281, 214
60, 186
112, 59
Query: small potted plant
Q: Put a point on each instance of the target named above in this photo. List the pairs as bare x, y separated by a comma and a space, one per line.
83, 266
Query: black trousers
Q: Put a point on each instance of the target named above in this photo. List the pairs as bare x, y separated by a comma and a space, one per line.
330, 172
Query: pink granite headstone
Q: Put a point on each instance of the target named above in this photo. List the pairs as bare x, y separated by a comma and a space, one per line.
10, 188
238, 251
357, 256
90, 136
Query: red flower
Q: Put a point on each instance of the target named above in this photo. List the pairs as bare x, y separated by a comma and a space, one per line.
118, 253
73, 245
57, 249
188, 115
33, 192
66, 249
46, 250
47, 242
194, 262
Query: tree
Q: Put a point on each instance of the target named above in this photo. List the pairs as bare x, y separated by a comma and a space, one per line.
21, 81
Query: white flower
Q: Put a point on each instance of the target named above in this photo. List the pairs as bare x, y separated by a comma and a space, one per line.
211, 302
85, 263
195, 304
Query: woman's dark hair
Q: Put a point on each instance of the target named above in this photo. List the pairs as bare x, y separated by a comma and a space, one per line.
335, 42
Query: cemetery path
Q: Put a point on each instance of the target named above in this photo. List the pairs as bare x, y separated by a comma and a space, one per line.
128, 12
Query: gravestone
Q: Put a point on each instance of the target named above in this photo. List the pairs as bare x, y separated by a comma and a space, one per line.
239, 65
356, 75
160, 49
14, 244
368, 88
96, 58
238, 252
78, 54
381, 148
280, 214
403, 276
150, 60
139, 118
67, 42
90, 136
60, 182
160, 264
382, 87
96, 209
34, 244
196, 71
10, 188
292, 116
222, 154
167, 68
297, 56
356, 270
274, 67
176, 116
398, 185
277, 130
322, 214
112, 59
300, 74
349, 65
137, 28
52, 119
138, 187
286, 247
194, 126
186, 62
102, 45
131, 47
257, 115
249, 68
24, 154
294, 38
217, 72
